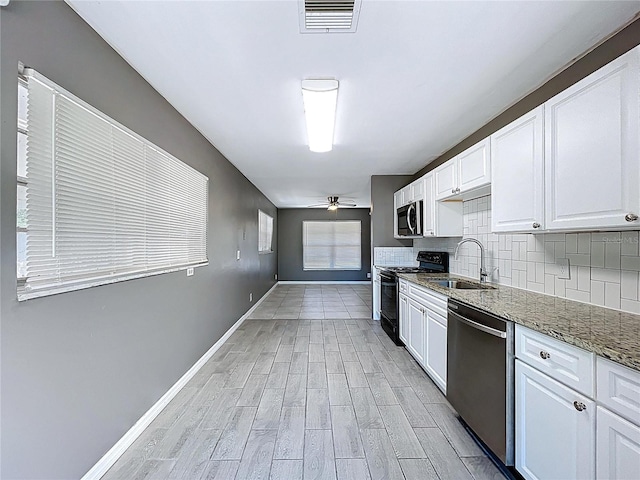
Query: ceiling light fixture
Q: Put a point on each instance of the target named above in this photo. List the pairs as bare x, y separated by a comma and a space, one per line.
320, 98
332, 207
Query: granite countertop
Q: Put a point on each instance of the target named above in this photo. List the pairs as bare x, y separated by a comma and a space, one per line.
606, 332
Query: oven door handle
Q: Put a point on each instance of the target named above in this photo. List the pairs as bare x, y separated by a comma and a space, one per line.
478, 326
388, 284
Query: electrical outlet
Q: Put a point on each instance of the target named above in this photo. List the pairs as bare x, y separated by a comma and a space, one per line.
238, 255
189, 271
275, 276
563, 268
368, 275
251, 297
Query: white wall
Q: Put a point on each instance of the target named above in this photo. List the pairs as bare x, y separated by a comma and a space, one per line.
604, 267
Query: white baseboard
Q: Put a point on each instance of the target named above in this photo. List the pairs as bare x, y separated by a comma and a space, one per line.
333, 282
109, 458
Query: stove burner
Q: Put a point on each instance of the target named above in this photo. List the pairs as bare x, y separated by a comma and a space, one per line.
406, 269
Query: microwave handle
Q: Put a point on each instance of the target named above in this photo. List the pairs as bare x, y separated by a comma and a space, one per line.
418, 229
409, 219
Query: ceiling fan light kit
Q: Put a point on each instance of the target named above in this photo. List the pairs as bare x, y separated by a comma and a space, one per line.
320, 98
333, 204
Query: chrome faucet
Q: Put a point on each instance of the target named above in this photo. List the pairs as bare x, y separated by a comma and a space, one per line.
483, 270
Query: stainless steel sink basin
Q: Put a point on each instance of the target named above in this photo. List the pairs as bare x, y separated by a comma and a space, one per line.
464, 285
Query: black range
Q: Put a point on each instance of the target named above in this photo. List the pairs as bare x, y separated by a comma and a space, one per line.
430, 262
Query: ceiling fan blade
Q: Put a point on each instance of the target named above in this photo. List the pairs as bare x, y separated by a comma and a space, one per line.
318, 205
347, 204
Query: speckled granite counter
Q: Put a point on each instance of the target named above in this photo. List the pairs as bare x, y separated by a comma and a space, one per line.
609, 333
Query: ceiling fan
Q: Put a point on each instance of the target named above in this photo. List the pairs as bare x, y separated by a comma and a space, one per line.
332, 204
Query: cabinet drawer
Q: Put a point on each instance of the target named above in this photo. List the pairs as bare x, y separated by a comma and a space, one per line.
429, 298
402, 285
570, 365
618, 389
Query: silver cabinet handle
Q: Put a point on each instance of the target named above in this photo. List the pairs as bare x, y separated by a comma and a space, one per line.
536, 225
544, 355
458, 190
579, 406
453, 190
631, 217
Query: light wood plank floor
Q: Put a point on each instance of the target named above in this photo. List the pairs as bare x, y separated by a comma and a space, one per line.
308, 388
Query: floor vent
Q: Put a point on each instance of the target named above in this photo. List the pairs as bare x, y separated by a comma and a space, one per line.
328, 16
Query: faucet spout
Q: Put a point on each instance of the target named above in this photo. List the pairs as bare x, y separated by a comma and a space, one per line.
483, 270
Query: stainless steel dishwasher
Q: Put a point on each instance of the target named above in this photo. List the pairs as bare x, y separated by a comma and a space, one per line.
480, 376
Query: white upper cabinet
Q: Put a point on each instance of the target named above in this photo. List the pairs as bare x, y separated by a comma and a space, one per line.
411, 193
517, 175
592, 165
474, 166
416, 190
398, 199
465, 173
429, 222
441, 219
446, 179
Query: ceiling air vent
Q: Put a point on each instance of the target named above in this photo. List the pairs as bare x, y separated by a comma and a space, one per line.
328, 16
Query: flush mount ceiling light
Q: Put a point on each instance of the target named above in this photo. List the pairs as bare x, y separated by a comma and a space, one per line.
320, 98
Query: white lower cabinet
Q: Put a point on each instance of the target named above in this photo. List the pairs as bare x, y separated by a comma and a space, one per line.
403, 318
435, 362
555, 428
618, 447
416, 343
567, 425
423, 329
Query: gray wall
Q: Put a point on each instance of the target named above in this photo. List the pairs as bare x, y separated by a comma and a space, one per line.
620, 43
79, 369
290, 244
382, 189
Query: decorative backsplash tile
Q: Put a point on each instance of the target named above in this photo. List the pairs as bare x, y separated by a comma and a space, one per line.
604, 267
394, 256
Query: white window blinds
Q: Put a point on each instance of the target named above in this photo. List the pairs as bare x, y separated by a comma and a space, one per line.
331, 245
265, 232
103, 204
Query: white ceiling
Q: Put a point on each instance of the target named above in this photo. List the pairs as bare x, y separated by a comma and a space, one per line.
415, 79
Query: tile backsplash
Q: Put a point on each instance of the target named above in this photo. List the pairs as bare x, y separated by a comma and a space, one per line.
604, 268
394, 256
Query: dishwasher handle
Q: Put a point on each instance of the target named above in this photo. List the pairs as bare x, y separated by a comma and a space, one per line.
478, 326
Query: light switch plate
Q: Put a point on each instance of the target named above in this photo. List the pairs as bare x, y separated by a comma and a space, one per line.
189, 271
238, 255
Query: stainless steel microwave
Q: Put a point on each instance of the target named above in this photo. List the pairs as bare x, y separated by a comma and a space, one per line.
410, 220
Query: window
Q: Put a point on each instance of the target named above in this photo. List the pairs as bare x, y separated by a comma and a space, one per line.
21, 214
331, 245
102, 203
265, 232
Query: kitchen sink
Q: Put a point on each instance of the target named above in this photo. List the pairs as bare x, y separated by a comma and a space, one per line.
463, 285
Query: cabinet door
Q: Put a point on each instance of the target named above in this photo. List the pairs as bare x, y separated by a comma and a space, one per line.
553, 438
398, 200
416, 331
436, 348
407, 195
517, 175
417, 190
617, 447
446, 179
429, 206
591, 150
403, 318
474, 166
